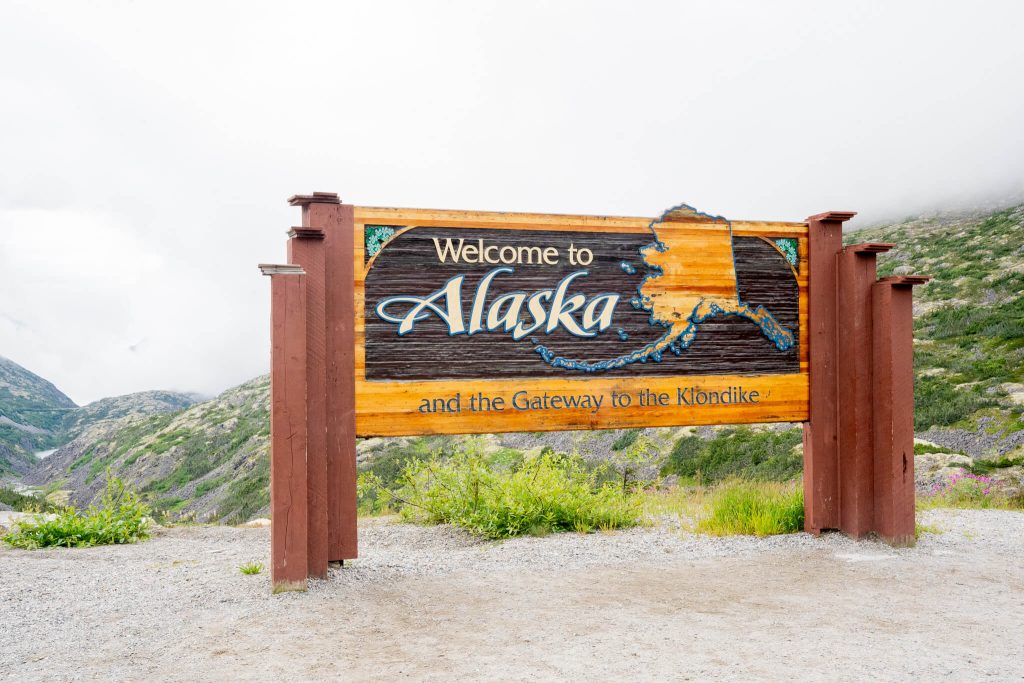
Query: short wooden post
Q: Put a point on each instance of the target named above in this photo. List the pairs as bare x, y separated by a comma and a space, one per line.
306, 249
288, 501
893, 380
857, 273
821, 457
324, 211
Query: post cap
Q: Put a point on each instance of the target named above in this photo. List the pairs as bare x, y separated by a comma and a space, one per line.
281, 269
839, 216
306, 233
871, 247
904, 280
315, 198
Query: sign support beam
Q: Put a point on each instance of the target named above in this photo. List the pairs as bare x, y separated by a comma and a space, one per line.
821, 431
288, 502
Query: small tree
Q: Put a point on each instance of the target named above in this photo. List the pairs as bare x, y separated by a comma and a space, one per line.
632, 460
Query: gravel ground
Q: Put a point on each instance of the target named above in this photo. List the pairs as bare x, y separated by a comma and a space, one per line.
435, 604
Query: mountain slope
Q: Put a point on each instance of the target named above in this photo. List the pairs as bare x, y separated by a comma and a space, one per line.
31, 410
116, 407
209, 459
968, 322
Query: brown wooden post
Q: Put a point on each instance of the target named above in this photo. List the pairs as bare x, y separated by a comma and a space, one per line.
306, 249
857, 272
893, 379
324, 211
821, 457
288, 507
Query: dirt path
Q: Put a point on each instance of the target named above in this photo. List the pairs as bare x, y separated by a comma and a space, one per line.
431, 604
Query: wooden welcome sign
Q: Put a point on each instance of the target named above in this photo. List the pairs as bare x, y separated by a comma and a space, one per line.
390, 322
487, 322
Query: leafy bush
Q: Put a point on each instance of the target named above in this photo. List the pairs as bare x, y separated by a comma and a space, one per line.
544, 494
251, 568
741, 452
757, 508
625, 439
937, 402
119, 518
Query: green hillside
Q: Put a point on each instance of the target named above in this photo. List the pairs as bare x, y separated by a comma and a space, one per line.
36, 416
31, 412
209, 459
969, 321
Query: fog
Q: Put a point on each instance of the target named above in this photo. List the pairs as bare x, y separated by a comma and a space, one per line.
147, 149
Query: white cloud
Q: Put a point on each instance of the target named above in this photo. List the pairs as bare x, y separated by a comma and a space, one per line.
160, 140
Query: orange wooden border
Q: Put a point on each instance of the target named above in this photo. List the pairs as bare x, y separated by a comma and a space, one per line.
390, 408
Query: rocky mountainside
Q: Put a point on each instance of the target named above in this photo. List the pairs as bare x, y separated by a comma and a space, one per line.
968, 327
36, 416
31, 411
116, 407
209, 459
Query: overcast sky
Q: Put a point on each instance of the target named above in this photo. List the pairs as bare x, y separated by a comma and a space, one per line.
147, 148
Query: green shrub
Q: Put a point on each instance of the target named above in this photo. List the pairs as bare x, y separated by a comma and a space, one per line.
754, 508
35, 502
119, 518
544, 494
247, 494
625, 439
922, 448
740, 452
938, 402
251, 568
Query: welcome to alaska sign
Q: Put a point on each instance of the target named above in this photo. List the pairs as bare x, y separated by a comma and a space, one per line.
487, 322
392, 322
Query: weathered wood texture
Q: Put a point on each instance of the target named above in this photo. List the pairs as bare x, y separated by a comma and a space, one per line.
894, 410
305, 248
723, 345
394, 375
335, 220
856, 276
288, 495
821, 454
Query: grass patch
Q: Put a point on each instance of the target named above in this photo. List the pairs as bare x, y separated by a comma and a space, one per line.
739, 452
119, 518
549, 493
247, 494
754, 508
922, 529
251, 568
984, 467
937, 402
923, 448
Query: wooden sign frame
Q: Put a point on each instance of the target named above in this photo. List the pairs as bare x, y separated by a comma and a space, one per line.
389, 408
852, 388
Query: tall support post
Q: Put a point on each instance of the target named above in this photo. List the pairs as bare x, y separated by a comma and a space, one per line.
306, 249
821, 438
857, 272
324, 211
288, 504
893, 380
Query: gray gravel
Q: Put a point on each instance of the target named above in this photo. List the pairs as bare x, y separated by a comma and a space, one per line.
434, 603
